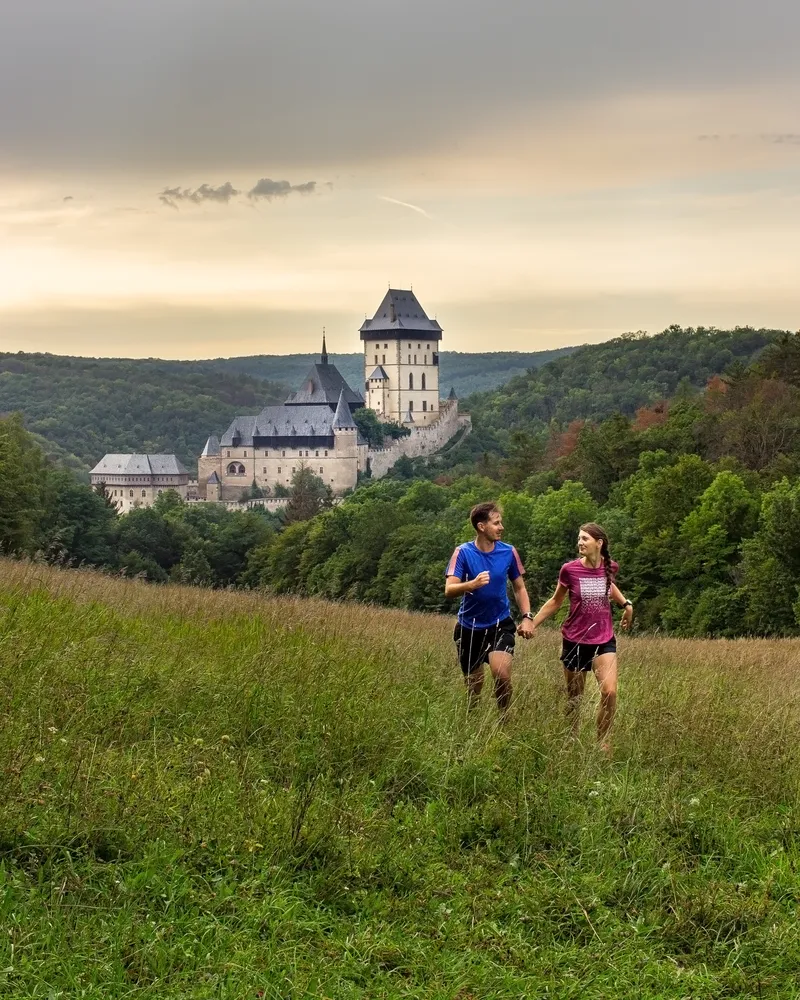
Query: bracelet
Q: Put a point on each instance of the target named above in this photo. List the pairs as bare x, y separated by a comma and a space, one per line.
528, 615
627, 604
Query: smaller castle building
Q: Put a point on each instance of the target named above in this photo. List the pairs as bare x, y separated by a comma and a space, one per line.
314, 428
136, 480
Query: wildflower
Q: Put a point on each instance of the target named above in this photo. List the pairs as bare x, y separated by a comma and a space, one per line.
694, 801
39, 758
593, 794
52, 729
225, 738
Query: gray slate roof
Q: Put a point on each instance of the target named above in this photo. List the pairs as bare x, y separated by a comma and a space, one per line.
452, 393
213, 478
212, 447
379, 373
400, 313
343, 418
287, 421
323, 384
139, 465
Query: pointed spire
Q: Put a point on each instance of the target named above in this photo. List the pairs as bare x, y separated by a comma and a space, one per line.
343, 418
324, 348
212, 447
409, 417
452, 394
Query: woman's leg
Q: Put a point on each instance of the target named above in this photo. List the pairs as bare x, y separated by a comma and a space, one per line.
576, 681
605, 670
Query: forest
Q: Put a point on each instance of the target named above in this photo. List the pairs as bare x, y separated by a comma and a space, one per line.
81, 408
700, 492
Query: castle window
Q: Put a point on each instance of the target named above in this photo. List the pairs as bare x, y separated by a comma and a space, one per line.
423, 386
425, 360
265, 470
415, 359
427, 347
144, 493
376, 359
283, 454
409, 357
424, 403
236, 469
228, 454
411, 405
131, 492
279, 470
409, 346
410, 380
326, 453
316, 454
293, 470
419, 346
386, 347
321, 470
384, 360
160, 492
245, 454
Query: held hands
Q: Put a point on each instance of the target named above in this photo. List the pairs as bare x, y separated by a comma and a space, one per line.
627, 619
480, 581
526, 629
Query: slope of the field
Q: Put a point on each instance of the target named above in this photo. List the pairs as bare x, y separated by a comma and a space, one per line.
82, 408
466, 373
221, 795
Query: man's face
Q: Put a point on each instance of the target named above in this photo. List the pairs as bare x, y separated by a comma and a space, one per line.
493, 528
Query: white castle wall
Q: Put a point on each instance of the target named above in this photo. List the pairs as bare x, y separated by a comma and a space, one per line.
423, 440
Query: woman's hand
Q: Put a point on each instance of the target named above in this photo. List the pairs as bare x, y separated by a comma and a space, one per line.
627, 619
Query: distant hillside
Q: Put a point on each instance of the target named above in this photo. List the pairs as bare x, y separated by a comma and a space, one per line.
466, 373
82, 408
617, 376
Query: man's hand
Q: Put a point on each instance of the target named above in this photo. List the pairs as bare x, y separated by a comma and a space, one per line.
480, 581
526, 628
627, 619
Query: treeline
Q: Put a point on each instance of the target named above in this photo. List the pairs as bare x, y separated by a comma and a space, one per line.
701, 495
82, 408
599, 380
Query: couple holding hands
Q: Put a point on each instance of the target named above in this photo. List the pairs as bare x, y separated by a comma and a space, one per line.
486, 633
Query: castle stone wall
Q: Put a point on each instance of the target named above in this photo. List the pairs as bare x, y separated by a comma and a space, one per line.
424, 440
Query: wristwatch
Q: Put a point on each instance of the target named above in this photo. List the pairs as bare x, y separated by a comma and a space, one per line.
528, 615
627, 604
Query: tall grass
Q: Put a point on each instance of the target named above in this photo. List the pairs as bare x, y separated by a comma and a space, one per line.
216, 794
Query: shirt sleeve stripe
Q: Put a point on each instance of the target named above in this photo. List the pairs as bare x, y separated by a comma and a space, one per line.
451, 568
520, 567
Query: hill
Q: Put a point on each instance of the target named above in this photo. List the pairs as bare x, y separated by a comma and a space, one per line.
81, 408
467, 373
214, 794
618, 376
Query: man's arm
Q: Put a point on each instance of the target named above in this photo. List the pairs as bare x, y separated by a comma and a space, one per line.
453, 586
524, 604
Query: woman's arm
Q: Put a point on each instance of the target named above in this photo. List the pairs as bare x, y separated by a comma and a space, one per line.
550, 607
618, 597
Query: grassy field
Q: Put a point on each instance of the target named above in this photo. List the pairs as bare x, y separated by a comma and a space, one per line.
221, 795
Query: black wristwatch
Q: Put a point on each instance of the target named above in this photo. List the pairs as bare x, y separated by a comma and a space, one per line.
627, 604
527, 615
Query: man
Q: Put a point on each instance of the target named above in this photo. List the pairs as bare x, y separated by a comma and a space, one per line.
485, 632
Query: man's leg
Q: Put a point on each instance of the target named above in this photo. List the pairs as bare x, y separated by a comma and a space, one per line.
576, 682
605, 670
500, 666
474, 683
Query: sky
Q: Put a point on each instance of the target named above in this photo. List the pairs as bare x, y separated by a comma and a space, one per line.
190, 179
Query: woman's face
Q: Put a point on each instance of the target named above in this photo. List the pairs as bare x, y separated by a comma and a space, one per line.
588, 546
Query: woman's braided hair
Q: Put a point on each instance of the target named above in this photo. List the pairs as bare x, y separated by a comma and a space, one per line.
599, 535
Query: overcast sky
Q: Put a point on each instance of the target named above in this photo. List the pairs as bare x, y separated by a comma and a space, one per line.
194, 179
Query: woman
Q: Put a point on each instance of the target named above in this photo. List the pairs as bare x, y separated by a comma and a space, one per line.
588, 632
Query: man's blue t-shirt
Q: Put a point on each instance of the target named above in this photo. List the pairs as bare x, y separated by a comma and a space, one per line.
488, 605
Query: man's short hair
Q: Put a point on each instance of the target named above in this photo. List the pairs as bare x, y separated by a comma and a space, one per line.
481, 511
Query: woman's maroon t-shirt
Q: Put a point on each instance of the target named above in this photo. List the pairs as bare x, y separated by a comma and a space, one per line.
589, 619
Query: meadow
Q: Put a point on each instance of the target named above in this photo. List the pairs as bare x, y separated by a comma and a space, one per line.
220, 794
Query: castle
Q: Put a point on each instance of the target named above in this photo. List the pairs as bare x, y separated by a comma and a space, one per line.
315, 428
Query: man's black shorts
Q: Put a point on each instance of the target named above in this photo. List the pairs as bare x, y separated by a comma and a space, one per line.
475, 644
580, 655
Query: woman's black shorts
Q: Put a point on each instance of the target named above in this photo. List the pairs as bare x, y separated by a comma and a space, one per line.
475, 644
580, 655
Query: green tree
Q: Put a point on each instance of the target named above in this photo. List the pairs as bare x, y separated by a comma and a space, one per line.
308, 496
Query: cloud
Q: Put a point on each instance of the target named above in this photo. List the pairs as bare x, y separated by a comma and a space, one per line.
223, 194
269, 189
406, 204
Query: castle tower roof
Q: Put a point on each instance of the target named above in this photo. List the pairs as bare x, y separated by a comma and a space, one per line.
323, 385
211, 449
343, 418
380, 374
452, 393
400, 313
